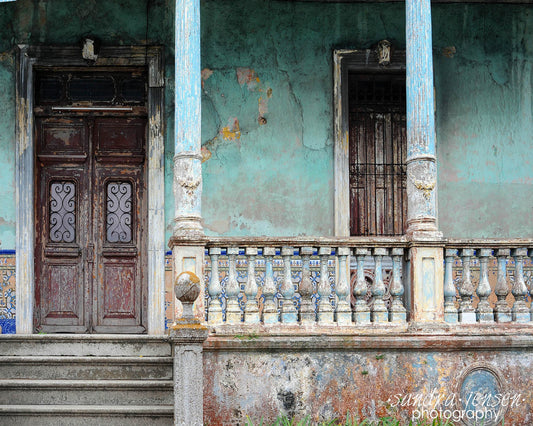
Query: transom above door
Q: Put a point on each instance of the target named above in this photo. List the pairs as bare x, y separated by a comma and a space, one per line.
90, 250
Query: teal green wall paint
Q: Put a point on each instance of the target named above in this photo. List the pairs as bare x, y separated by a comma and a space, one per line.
63, 22
484, 119
7, 130
277, 178
274, 60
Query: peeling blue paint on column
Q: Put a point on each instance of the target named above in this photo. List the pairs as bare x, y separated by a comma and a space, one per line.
421, 161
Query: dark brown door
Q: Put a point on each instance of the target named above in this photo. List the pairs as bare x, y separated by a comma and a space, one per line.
378, 201
90, 211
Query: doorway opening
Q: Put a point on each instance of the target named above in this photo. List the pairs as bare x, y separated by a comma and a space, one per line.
377, 154
90, 200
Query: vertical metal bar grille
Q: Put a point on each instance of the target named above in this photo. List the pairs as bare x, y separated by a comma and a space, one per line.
377, 154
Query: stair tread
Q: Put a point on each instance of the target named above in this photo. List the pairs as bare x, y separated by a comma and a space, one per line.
82, 359
88, 409
68, 383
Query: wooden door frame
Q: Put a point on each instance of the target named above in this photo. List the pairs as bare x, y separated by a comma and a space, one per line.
29, 57
344, 60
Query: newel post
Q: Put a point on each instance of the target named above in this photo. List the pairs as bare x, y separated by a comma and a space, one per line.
187, 335
426, 252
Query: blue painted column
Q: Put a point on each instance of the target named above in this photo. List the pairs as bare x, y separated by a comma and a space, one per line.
187, 121
426, 259
421, 161
188, 240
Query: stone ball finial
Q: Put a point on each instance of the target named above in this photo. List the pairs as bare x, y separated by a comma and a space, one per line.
187, 290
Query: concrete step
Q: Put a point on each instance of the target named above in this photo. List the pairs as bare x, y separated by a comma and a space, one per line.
84, 345
86, 367
86, 392
83, 415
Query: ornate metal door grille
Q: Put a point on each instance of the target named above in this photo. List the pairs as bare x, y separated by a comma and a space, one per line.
378, 202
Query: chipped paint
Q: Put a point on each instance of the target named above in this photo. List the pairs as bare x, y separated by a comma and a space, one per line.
247, 76
232, 131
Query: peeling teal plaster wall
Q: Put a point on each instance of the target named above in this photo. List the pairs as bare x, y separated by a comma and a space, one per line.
278, 178
64, 22
273, 60
267, 125
484, 119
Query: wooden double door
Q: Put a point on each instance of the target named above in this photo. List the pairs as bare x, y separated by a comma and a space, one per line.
90, 245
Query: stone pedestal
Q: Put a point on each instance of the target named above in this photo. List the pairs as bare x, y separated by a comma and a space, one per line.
427, 277
187, 337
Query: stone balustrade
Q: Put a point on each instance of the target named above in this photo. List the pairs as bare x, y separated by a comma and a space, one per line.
487, 281
353, 281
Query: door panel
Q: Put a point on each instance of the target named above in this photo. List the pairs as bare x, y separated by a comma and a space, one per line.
119, 244
60, 270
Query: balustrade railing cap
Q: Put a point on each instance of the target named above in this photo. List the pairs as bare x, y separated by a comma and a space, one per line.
269, 251
215, 251
485, 252
397, 251
467, 252
519, 252
451, 252
307, 251
362, 251
251, 251
232, 250
324, 251
380, 251
503, 252
287, 251
344, 251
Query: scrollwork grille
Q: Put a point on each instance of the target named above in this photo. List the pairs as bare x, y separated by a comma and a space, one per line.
119, 208
62, 212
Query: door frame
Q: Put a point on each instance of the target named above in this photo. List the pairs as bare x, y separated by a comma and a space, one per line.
344, 60
29, 57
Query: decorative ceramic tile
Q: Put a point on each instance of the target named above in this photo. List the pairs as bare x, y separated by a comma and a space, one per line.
7, 291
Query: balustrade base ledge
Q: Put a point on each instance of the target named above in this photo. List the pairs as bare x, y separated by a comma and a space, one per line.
391, 337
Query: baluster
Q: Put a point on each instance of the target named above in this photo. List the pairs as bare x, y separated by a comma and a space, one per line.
530, 254
307, 311
214, 311
289, 315
380, 313
361, 313
270, 310
233, 310
520, 310
251, 310
484, 312
325, 310
398, 313
502, 311
450, 310
343, 312
467, 314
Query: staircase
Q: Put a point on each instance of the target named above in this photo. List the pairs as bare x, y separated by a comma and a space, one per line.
85, 380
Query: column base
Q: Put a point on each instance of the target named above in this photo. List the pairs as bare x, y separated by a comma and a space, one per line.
188, 227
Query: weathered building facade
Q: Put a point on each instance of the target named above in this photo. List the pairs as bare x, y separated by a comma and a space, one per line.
350, 181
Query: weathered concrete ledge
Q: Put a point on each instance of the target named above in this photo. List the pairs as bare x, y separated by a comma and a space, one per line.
439, 337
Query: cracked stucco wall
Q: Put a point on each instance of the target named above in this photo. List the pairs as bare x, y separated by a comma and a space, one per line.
267, 129
270, 171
